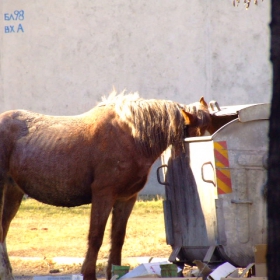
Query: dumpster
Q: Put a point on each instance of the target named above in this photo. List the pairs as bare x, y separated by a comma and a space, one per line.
215, 206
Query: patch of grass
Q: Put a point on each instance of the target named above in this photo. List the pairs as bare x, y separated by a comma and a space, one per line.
40, 230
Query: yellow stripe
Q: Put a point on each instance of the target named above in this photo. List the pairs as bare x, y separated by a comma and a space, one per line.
219, 164
225, 188
218, 146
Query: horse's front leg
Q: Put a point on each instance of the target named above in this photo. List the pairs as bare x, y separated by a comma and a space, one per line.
120, 214
100, 211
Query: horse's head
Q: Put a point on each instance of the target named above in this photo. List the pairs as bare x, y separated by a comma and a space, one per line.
197, 118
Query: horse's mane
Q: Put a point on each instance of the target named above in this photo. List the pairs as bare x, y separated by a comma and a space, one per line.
155, 124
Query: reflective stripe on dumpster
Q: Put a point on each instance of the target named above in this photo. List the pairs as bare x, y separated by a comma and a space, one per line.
222, 167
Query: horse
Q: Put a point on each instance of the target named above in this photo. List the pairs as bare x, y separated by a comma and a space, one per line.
101, 157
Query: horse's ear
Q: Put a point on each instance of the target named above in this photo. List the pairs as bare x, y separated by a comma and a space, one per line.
203, 102
189, 118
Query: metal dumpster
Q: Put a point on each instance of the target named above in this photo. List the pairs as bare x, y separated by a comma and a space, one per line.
215, 207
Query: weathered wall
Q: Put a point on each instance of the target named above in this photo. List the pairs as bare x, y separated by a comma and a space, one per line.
60, 57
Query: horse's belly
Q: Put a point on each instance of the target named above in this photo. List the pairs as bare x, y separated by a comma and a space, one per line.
67, 196
64, 201
50, 176
54, 188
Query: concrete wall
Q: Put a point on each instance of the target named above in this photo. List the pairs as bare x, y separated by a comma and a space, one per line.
60, 56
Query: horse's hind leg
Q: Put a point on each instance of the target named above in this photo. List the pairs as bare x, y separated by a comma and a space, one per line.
5, 266
11, 200
120, 214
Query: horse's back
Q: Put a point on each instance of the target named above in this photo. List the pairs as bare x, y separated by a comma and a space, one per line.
47, 155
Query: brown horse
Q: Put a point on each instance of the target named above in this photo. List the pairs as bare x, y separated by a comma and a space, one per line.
102, 157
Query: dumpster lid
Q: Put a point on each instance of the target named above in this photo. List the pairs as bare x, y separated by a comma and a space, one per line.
241, 113
244, 113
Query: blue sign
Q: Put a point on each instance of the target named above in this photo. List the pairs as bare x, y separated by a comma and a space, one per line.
17, 15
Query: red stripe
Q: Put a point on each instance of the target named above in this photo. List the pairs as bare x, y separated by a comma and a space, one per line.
223, 178
223, 144
219, 157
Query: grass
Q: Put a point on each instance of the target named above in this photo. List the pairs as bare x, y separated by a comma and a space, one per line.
40, 230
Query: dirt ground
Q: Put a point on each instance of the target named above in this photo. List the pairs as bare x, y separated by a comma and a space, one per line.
25, 270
